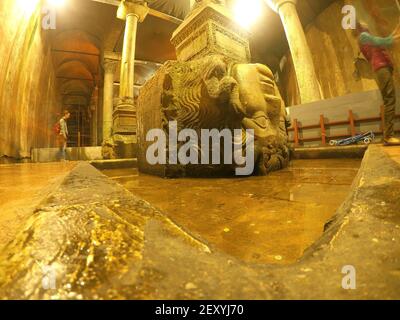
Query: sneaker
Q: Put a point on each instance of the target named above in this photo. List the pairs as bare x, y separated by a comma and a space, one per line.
392, 142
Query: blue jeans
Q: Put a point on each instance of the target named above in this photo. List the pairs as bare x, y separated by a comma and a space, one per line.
62, 141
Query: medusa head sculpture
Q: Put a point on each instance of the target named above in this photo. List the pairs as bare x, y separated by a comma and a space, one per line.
215, 93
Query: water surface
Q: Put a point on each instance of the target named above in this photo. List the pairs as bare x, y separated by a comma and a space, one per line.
269, 219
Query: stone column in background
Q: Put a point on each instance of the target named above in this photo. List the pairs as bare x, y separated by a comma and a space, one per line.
94, 109
301, 54
93, 131
110, 66
93, 124
124, 116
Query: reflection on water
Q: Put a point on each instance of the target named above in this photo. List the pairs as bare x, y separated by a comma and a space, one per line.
260, 219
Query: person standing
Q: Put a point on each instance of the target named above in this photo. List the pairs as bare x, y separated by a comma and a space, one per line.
63, 135
375, 51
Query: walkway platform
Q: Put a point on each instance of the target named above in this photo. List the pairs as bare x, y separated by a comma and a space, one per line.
73, 154
114, 164
355, 151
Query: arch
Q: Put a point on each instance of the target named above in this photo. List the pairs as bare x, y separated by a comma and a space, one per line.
72, 100
75, 69
68, 86
74, 62
78, 40
91, 62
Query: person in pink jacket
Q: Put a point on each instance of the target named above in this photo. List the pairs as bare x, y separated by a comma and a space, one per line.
375, 51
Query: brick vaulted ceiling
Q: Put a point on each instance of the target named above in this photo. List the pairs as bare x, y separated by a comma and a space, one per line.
87, 28
77, 43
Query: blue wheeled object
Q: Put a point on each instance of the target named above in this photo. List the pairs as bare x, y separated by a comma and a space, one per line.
366, 138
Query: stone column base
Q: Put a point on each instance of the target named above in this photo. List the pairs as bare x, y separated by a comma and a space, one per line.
108, 149
124, 116
124, 140
125, 146
120, 147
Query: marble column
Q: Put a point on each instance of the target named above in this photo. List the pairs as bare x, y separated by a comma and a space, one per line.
93, 131
301, 54
124, 117
110, 66
94, 109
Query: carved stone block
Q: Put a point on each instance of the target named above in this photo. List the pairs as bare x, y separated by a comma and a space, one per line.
212, 86
125, 128
214, 93
210, 29
124, 117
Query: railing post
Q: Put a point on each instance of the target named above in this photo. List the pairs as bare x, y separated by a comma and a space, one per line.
352, 123
296, 133
383, 120
323, 130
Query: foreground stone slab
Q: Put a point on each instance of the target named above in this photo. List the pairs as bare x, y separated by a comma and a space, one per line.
103, 242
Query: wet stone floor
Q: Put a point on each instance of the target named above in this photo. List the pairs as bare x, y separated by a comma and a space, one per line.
393, 153
22, 187
269, 219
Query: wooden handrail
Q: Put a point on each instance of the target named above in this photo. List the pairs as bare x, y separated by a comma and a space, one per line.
323, 124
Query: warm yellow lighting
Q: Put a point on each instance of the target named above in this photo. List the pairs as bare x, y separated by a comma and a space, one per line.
28, 6
56, 3
270, 4
247, 11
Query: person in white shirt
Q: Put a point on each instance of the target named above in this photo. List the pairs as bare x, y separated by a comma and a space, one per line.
63, 136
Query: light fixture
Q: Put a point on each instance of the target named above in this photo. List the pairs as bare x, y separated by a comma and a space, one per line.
28, 6
270, 4
56, 3
246, 12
